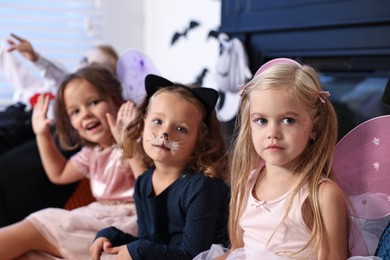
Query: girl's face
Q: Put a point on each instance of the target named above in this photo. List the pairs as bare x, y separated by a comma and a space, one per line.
280, 126
87, 110
171, 129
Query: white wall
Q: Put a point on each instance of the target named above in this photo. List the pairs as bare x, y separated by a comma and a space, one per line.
123, 23
183, 61
150, 24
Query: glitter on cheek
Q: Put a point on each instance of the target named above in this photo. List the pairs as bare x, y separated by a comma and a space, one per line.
305, 129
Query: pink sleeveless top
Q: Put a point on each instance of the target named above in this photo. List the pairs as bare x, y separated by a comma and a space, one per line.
260, 223
111, 177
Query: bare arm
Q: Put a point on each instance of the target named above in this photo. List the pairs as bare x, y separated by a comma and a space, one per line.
335, 216
56, 166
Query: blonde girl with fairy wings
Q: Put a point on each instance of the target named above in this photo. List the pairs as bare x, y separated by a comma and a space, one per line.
284, 203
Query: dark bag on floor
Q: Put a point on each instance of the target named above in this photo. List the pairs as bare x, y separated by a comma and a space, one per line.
15, 126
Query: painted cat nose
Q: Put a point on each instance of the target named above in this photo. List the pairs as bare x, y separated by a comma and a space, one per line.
165, 136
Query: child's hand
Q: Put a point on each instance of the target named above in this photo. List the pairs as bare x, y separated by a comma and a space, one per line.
126, 114
24, 47
121, 252
98, 246
40, 123
102, 244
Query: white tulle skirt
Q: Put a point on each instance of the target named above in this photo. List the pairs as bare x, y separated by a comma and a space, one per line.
239, 254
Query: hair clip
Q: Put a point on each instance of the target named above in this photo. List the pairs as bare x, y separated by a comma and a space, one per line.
324, 95
243, 89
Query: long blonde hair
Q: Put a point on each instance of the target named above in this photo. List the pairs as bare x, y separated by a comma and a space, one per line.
302, 84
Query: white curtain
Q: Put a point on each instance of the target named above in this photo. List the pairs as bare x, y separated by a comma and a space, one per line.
61, 30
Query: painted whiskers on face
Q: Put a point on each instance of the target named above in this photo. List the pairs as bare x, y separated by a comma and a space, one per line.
171, 145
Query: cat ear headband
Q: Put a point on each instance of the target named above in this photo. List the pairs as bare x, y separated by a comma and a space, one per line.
207, 96
323, 95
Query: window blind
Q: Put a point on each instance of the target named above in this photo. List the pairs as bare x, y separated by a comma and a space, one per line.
60, 30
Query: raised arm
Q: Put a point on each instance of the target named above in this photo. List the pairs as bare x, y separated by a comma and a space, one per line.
23, 46
49, 69
335, 216
126, 114
56, 166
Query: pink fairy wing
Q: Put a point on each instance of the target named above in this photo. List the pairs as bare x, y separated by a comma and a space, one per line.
132, 68
362, 167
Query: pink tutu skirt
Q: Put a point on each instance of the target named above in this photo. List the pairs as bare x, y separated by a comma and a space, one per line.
73, 232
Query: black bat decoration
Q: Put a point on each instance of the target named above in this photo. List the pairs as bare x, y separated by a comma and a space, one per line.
213, 34
200, 77
221, 102
178, 35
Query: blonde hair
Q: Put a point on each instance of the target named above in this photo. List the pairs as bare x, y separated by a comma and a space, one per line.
302, 84
209, 155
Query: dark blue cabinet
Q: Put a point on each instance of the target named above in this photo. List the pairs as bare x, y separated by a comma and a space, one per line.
348, 41
333, 35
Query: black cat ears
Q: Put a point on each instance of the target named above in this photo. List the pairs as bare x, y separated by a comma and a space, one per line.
207, 96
